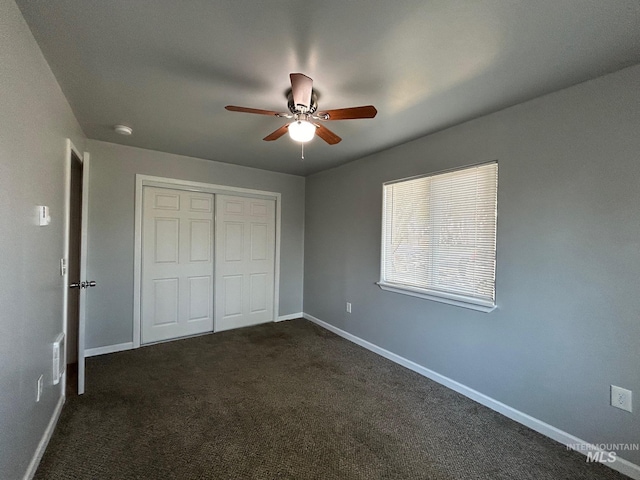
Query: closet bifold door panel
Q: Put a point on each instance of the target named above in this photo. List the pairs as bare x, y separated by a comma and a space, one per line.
245, 261
177, 264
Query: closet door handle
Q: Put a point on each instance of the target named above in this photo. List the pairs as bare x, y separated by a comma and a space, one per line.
92, 283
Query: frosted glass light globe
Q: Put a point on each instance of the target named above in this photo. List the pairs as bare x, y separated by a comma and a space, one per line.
301, 131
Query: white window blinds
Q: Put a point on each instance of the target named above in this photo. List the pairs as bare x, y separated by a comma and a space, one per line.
439, 234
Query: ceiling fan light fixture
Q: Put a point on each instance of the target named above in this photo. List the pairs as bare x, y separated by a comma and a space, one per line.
302, 101
301, 131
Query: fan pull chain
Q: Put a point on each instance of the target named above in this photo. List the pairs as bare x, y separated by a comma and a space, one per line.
302, 156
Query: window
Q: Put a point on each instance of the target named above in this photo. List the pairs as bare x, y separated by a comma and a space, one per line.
439, 236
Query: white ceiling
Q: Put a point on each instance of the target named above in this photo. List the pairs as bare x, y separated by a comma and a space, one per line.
167, 68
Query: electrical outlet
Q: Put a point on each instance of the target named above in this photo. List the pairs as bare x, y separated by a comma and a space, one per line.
348, 307
39, 389
621, 398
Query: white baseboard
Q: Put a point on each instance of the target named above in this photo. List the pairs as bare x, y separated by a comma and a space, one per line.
291, 316
92, 352
44, 441
621, 465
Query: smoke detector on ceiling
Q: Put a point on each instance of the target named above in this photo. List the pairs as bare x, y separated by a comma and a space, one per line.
123, 130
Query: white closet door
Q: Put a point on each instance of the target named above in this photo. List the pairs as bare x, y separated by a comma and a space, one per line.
245, 253
177, 264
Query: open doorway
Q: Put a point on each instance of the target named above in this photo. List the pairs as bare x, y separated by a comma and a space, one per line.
73, 266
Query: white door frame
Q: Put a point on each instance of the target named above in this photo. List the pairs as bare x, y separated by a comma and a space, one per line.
176, 184
84, 158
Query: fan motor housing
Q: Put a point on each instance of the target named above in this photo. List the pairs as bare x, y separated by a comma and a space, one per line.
292, 106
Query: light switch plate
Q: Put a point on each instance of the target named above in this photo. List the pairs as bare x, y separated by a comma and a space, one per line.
44, 218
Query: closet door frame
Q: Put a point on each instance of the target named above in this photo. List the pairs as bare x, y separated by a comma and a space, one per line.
176, 184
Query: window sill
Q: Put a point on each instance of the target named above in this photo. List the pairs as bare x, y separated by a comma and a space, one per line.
448, 298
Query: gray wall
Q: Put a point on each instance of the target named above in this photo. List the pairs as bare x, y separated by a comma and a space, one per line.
35, 120
568, 266
568, 249
111, 228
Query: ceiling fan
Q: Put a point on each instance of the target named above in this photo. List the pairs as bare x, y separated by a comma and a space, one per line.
302, 101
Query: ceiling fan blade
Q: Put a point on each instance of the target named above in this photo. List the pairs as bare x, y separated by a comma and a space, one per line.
326, 134
366, 111
301, 86
277, 134
233, 108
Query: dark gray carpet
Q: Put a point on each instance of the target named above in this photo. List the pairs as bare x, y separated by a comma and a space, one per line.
286, 400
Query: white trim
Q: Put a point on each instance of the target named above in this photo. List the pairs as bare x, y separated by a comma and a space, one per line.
84, 159
621, 465
84, 245
442, 297
175, 183
162, 182
137, 263
92, 352
69, 147
276, 260
291, 316
44, 441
